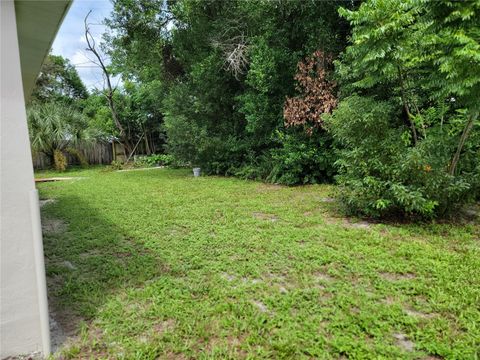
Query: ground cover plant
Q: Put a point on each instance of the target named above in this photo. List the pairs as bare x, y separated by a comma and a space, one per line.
148, 264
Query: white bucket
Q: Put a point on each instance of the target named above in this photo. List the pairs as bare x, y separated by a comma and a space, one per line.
196, 172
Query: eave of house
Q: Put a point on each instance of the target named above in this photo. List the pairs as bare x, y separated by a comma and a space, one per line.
37, 24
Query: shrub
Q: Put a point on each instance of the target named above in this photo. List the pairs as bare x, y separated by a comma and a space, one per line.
381, 173
81, 158
158, 160
302, 158
59, 161
116, 165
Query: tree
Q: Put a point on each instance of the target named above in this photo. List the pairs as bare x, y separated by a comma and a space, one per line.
418, 62
109, 90
233, 62
54, 128
58, 81
317, 93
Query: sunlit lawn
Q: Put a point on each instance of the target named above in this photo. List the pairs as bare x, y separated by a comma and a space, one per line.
158, 264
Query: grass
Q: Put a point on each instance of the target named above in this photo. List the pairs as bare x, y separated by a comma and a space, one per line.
158, 264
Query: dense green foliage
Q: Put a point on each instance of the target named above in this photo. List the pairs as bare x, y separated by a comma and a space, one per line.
410, 135
55, 127
408, 83
382, 93
226, 68
57, 121
58, 81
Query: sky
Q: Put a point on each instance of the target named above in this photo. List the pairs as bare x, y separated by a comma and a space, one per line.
70, 41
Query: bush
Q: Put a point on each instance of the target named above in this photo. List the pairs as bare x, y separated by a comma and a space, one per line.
116, 165
59, 161
381, 173
159, 160
302, 159
81, 158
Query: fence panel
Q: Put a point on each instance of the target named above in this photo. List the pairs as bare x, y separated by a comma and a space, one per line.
100, 153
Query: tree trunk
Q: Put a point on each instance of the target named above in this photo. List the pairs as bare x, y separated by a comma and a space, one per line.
406, 107
147, 145
109, 92
466, 132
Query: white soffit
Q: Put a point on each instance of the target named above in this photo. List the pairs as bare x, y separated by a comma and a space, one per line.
37, 24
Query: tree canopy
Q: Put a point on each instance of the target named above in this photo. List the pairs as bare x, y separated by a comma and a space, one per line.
58, 81
380, 96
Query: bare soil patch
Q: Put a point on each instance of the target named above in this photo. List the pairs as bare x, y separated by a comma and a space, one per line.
265, 216
402, 341
260, 306
417, 314
396, 276
46, 202
164, 326
53, 226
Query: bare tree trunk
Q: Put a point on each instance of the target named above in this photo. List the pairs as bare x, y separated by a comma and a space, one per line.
406, 107
147, 145
466, 132
109, 92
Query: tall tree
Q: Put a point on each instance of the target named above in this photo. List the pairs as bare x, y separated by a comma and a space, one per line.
58, 81
109, 89
417, 62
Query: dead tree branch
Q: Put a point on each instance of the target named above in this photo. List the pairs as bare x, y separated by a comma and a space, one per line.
109, 91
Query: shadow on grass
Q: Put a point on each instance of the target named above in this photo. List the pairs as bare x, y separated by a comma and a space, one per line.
88, 260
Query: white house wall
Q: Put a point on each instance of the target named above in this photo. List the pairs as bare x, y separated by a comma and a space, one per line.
23, 306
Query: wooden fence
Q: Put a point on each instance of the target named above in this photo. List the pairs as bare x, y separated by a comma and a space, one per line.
101, 153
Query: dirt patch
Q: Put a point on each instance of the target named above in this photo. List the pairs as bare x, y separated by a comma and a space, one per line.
396, 276
327, 199
174, 356
122, 254
164, 326
275, 278
179, 230
246, 280
91, 253
46, 202
265, 216
95, 336
389, 300
63, 326
323, 277
417, 314
402, 341
260, 306
57, 334
357, 225
69, 265
269, 187
53, 226
228, 277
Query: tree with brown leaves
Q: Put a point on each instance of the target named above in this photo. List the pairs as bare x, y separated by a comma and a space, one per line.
317, 93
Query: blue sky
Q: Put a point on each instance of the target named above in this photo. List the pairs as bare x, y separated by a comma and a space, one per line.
70, 41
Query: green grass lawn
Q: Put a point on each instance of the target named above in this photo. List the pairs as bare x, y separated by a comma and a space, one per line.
158, 264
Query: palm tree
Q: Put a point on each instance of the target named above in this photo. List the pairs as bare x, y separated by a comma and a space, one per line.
54, 128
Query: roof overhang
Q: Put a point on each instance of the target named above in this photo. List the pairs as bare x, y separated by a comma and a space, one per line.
37, 24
